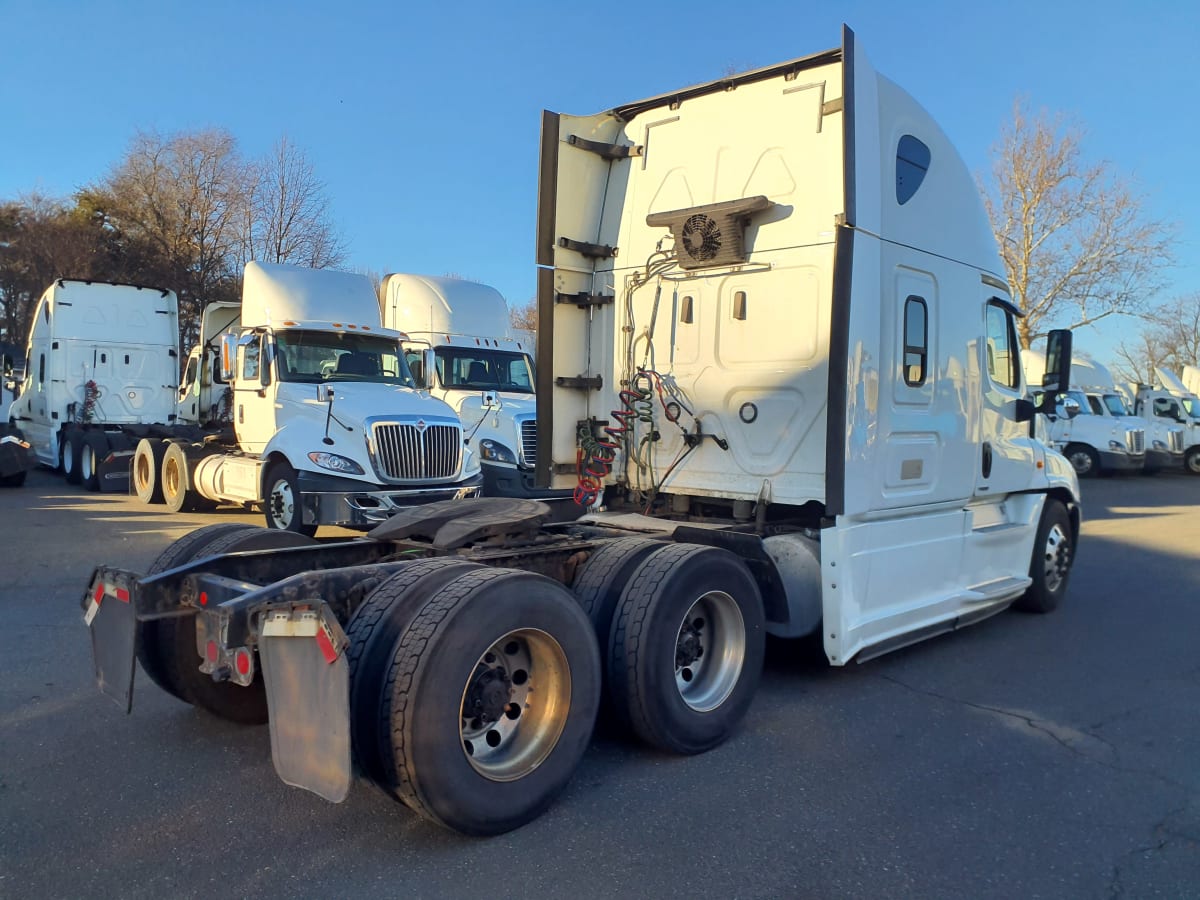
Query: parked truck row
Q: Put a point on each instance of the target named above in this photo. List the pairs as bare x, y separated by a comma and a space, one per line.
778, 359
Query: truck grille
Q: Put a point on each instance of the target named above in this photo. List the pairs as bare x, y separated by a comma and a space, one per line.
417, 453
529, 442
1135, 440
1175, 441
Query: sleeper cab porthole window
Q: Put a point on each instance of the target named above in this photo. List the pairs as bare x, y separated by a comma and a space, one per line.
912, 162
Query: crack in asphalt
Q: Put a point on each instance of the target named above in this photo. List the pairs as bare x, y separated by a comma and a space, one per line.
1166, 835
1059, 734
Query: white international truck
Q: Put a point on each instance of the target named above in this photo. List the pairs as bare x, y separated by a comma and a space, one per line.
1093, 437
1172, 404
776, 345
324, 423
478, 367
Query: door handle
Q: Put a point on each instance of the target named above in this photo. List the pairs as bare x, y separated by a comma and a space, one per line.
987, 459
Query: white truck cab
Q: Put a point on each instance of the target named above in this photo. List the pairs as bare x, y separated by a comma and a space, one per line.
1171, 403
481, 370
1097, 439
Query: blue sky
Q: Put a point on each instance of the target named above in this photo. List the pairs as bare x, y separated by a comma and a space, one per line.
423, 120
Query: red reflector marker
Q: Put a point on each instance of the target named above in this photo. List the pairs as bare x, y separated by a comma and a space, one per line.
98, 595
122, 595
326, 646
242, 661
211, 651
204, 598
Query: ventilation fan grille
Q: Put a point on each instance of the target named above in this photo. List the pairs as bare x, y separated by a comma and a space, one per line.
711, 235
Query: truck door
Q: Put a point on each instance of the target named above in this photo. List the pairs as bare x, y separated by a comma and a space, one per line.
1006, 458
253, 394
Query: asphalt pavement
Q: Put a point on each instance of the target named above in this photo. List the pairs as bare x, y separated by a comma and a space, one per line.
1028, 756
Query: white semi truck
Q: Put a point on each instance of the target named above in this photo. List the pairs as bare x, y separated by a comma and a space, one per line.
1095, 438
326, 426
483, 372
101, 370
1171, 403
797, 391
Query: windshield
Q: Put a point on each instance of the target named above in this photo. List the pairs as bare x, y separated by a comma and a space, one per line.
318, 356
1115, 405
482, 369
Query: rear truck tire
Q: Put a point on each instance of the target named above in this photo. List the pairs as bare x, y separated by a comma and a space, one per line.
281, 501
1191, 461
372, 633
72, 455
92, 453
602, 578
179, 493
147, 467
150, 651
1083, 460
1050, 567
489, 701
686, 650
172, 642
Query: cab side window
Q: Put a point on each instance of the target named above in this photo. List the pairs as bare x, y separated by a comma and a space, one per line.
1003, 355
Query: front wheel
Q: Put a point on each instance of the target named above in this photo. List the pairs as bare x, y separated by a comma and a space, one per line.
1053, 554
281, 501
1191, 462
1083, 460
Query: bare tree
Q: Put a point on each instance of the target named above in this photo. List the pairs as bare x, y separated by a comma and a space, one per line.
525, 316
177, 202
288, 216
1075, 238
1170, 339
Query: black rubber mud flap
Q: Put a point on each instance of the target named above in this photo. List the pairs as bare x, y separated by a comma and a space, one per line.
308, 699
112, 621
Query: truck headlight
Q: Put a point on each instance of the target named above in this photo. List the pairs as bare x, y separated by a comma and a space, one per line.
1160, 445
494, 451
335, 463
1116, 445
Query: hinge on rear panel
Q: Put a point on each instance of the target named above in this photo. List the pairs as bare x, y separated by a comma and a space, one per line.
607, 151
583, 299
595, 251
580, 382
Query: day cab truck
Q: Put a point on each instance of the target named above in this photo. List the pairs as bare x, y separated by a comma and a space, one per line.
1172, 404
479, 369
776, 351
320, 420
1093, 439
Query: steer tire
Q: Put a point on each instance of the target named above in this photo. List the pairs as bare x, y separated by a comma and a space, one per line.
146, 470
1083, 459
1191, 461
684, 598
175, 653
372, 633
1053, 556
514, 650
282, 501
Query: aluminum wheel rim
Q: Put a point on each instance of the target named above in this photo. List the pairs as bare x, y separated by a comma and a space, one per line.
282, 503
172, 478
1082, 462
141, 472
1193, 463
68, 460
1057, 558
515, 704
710, 651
